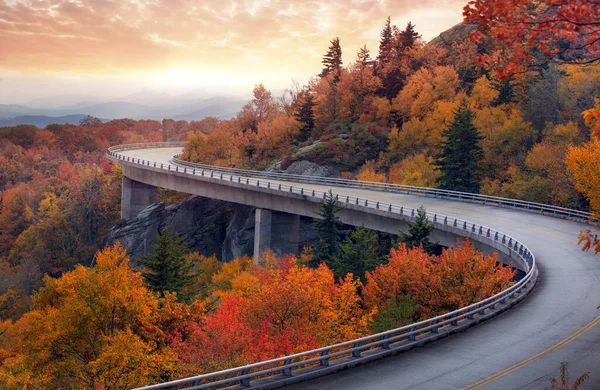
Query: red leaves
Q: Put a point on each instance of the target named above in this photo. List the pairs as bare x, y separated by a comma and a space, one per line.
565, 30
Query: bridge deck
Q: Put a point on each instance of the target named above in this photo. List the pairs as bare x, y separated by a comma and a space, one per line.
563, 303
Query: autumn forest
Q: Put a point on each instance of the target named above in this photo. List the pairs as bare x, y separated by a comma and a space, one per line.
521, 103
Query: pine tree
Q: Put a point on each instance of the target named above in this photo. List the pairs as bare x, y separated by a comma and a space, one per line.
332, 60
418, 232
168, 269
305, 115
359, 252
327, 248
409, 36
384, 42
364, 57
461, 153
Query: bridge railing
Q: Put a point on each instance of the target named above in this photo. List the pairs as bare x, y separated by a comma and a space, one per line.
369, 347
556, 211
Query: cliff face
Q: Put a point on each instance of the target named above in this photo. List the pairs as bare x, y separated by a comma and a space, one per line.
200, 222
458, 33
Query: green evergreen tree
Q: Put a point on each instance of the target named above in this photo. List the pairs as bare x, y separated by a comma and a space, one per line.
418, 232
398, 313
385, 42
409, 36
329, 227
168, 269
359, 253
332, 60
364, 57
461, 153
305, 115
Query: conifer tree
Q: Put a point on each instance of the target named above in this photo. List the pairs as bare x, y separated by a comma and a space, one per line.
168, 269
384, 42
305, 115
359, 252
327, 248
408, 36
461, 153
364, 57
418, 232
332, 60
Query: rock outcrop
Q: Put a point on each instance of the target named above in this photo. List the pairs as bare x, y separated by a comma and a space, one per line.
307, 168
200, 222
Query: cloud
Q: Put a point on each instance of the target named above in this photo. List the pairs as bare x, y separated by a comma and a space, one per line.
125, 37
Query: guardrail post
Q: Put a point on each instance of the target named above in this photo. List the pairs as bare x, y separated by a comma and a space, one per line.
313, 193
356, 200
481, 311
401, 210
247, 181
473, 228
302, 191
411, 334
287, 371
390, 208
470, 314
212, 174
504, 239
412, 214
480, 229
245, 381
377, 205
488, 233
445, 220
221, 176
366, 202
385, 344
455, 222
324, 362
290, 188
184, 169
435, 328
454, 321
465, 226
356, 353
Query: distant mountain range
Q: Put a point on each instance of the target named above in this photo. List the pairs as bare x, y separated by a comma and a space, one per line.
143, 105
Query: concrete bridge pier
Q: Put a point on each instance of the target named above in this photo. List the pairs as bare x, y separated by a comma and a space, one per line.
277, 231
135, 197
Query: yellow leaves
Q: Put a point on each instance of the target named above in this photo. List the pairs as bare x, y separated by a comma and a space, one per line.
483, 94
368, 173
415, 170
583, 163
222, 280
423, 89
592, 118
92, 328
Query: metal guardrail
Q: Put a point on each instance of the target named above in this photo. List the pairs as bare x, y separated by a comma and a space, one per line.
382, 343
555, 211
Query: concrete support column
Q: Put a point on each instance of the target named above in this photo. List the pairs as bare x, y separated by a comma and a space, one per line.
277, 231
135, 197
262, 231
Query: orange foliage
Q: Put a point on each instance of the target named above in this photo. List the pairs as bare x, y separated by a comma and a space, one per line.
437, 284
368, 173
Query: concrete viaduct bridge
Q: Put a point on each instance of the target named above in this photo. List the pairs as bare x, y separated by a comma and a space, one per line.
520, 349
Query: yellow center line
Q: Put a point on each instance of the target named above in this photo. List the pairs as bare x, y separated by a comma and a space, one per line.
553, 348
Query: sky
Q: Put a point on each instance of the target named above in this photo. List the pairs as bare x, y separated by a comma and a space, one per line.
110, 48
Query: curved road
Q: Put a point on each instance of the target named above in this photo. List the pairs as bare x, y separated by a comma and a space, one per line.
521, 348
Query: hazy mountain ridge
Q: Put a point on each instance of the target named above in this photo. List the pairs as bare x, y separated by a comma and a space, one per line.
184, 107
